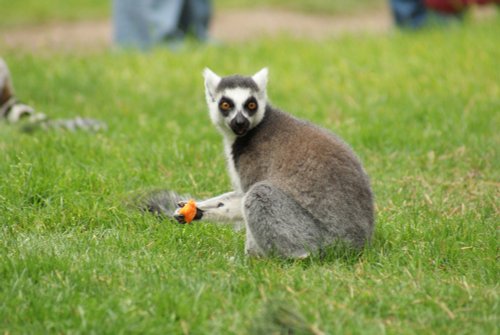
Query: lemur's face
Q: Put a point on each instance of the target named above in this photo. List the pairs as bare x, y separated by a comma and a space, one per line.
236, 103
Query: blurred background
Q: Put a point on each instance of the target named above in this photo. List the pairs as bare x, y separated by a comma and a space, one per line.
76, 24
83, 25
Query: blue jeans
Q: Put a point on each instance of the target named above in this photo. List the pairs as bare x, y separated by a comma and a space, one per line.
145, 23
414, 14
409, 13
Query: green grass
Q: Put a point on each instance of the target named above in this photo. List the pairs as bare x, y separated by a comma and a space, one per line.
20, 12
420, 109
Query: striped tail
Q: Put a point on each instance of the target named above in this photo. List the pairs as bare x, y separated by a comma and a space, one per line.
14, 111
75, 124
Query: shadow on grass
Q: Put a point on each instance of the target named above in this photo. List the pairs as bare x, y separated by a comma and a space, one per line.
281, 317
338, 254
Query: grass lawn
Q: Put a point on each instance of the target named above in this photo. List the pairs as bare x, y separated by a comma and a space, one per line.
421, 110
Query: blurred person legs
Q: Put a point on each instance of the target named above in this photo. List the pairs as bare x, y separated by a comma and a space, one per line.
146, 23
195, 18
409, 13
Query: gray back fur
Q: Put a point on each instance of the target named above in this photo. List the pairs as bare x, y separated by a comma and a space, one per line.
314, 168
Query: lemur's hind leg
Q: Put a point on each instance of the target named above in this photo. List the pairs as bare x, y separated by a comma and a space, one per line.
277, 224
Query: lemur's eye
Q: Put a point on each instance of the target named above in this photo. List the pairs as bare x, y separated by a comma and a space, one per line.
225, 106
252, 105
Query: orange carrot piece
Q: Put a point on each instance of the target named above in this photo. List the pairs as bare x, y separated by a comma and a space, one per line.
189, 211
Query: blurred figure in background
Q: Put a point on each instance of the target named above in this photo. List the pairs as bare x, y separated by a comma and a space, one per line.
146, 23
13, 111
417, 13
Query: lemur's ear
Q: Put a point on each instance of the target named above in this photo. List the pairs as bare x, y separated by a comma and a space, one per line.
260, 79
211, 82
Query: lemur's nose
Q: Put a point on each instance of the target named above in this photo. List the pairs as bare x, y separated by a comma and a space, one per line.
240, 124
240, 120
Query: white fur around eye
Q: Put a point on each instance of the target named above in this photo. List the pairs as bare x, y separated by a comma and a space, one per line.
238, 95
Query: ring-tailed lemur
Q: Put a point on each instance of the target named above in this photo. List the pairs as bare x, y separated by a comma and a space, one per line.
297, 187
12, 110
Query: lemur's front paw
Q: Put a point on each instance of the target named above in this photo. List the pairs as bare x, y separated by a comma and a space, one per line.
180, 218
